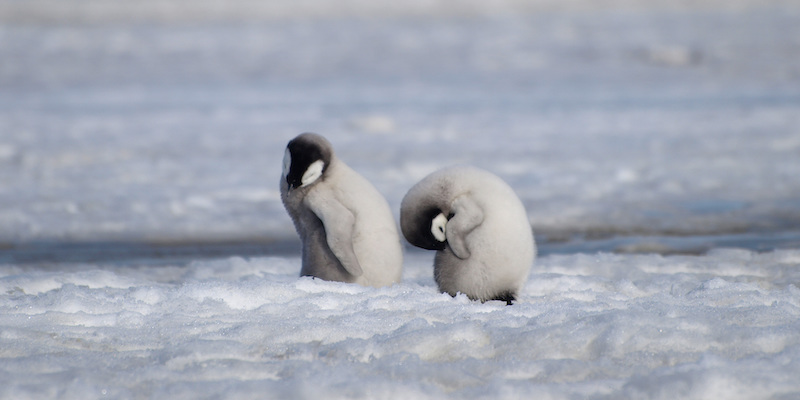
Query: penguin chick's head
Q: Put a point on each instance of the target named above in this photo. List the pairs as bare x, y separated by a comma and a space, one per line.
306, 159
439, 227
426, 229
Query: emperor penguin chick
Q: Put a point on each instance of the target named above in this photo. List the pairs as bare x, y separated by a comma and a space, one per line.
346, 226
479, 227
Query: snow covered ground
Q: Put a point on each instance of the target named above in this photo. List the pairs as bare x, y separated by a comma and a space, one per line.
601, 326
144, 252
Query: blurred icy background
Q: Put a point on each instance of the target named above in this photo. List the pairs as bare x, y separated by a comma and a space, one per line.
134, 130
166, 121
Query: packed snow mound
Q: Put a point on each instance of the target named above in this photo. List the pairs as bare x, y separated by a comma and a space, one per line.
586, 325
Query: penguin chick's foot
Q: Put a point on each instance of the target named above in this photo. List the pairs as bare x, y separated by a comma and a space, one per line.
508, 297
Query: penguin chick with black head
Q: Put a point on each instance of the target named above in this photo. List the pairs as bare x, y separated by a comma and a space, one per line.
479, 228
346, 226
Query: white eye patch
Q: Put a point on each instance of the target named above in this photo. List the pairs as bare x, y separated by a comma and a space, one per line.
287, 162
313, 173
439, 227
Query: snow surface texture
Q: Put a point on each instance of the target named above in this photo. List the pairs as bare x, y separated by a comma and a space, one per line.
724, 325
597, 326
673, 123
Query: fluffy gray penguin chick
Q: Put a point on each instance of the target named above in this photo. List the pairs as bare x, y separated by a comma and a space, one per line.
346, 226
479, 228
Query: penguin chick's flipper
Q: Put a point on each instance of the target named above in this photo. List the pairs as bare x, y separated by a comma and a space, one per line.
339, 222
467, 215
